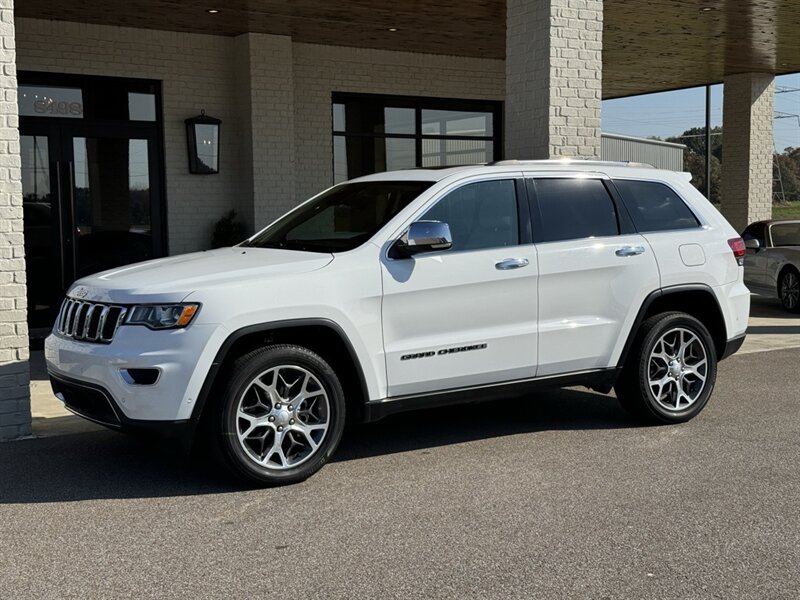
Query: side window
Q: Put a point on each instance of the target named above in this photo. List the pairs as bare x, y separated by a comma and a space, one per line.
655, 207
785, 234
575, 208
480, 215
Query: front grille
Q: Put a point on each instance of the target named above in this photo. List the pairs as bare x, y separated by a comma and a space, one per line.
89, 321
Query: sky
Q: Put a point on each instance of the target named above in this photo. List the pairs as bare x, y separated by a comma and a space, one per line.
671, 113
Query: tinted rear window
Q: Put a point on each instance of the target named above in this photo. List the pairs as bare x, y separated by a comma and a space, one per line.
574, 208
654, 206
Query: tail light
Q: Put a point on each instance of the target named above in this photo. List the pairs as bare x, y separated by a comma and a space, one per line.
738, 249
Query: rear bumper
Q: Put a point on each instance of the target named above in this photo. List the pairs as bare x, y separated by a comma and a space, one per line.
732, 346
95, 403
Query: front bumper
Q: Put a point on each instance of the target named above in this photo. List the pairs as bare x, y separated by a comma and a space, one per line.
182, 358
95, 403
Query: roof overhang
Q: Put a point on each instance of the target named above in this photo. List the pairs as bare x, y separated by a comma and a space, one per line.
648, 45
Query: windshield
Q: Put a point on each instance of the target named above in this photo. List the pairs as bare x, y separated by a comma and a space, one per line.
342, 218
785, 234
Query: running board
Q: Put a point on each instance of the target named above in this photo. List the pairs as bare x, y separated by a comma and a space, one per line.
600, 380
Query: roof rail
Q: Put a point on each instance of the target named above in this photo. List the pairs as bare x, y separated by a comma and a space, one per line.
569, 161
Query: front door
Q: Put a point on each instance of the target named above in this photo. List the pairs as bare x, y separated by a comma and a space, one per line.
91, 197
465, 316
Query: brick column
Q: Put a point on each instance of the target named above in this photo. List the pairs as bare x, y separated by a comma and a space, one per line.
553, 78
266, 103
747, 118
15, 406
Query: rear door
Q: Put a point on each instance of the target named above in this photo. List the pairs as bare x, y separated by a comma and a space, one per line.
594, 272
465, 316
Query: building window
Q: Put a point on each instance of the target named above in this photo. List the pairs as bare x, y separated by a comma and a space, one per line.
385, 133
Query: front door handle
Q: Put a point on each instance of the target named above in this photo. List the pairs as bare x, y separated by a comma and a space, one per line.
511, 263
630, 251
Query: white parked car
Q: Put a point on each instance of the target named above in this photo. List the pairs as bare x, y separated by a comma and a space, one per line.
407, 290
772, 264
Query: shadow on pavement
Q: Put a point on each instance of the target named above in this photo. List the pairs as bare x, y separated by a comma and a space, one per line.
762, 307
105, 464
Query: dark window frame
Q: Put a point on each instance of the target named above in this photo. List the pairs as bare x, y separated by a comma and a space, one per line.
93, 87
420, 103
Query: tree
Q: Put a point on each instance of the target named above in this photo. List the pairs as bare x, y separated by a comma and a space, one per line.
694, 158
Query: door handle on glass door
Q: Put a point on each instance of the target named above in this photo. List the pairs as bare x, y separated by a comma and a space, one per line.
630, 251
511, 263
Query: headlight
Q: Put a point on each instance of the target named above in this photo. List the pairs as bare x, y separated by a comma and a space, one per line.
162, 316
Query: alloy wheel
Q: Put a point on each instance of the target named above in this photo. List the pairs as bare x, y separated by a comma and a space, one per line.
790, 290
282, 417
678, 369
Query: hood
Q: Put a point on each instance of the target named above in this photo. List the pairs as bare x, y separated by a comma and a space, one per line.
172, 279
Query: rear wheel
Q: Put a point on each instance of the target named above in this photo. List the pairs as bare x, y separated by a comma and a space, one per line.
789, 290
281, 417
671, 370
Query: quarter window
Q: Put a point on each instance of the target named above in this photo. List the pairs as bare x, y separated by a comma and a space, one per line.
573, 209
480, 215
655, 207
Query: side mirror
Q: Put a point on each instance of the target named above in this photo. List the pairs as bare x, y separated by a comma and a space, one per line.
752, 244
423, 236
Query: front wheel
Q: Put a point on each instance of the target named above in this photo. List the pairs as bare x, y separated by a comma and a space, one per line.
671, 369
281, 417
789, 290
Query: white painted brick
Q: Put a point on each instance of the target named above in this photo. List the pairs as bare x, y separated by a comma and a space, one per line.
747, 166
553, 78
15, 414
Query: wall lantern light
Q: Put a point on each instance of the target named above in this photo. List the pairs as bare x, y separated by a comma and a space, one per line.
202, 135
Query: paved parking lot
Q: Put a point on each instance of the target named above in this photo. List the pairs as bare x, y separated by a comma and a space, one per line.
555, 496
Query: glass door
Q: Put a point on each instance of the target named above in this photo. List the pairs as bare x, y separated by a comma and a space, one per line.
113, 200
42, 224
91, 181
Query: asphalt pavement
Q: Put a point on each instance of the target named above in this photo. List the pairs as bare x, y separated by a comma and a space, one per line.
559, 495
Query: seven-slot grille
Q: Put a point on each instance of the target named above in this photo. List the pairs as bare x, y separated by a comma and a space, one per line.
89, 321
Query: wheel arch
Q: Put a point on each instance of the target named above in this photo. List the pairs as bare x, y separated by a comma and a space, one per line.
322, 336
697, 300
786, 266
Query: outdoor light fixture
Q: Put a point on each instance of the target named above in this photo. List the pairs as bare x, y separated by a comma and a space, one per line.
202, 136
392, 29
707, 9
212, 11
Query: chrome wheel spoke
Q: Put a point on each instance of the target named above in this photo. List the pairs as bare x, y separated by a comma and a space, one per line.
678, 369
282, 417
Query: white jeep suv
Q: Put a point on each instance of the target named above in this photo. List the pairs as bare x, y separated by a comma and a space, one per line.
407, 290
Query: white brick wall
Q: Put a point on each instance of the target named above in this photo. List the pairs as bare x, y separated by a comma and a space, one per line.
15, 416
271, 156
197, 73
553, 78
265, 82
747, 172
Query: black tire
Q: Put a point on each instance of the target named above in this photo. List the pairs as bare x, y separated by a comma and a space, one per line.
633, 388
789, 278
241, 462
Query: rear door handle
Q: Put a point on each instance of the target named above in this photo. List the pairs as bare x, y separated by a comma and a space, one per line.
630, 251
511, 263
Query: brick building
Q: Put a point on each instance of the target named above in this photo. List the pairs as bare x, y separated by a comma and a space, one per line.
93, 151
